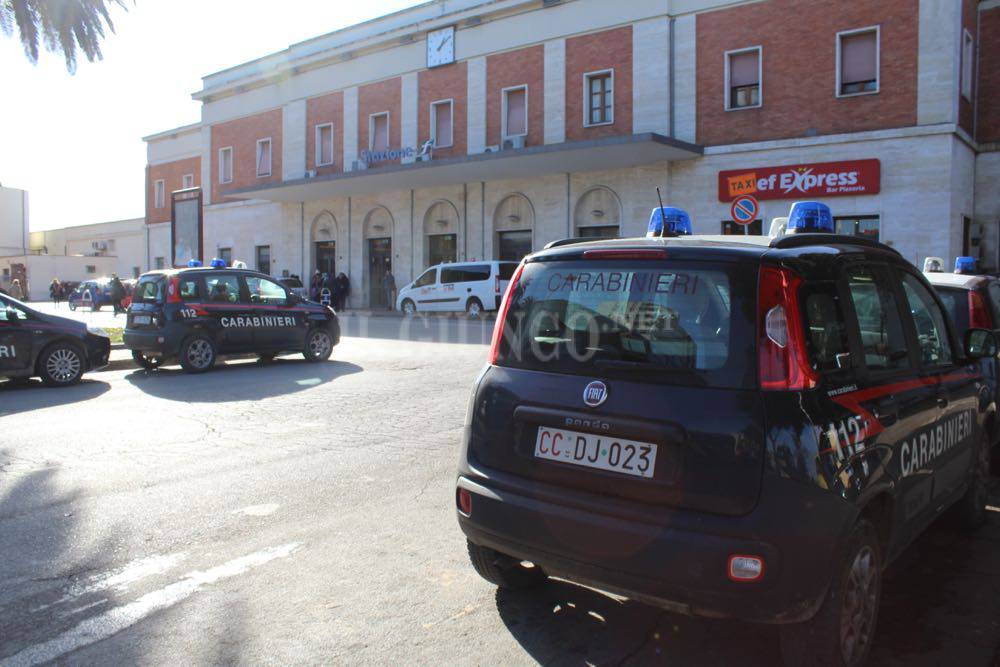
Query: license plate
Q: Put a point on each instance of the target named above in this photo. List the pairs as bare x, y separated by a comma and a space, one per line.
141, 319
596, 451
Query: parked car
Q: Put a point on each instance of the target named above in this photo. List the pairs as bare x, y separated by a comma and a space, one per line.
473, 287
57, 349
91, 294
295, 286
728, 427
196, 315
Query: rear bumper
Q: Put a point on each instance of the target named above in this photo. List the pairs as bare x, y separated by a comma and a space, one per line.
145, 341
679, 561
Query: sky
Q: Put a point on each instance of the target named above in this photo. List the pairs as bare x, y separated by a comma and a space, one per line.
75, 141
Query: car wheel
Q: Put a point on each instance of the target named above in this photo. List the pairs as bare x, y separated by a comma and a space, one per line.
319, 346
61, 365
474, 308
72, 305
409, 308
197, 354
972, 507
503, 571
146, 361
842, 631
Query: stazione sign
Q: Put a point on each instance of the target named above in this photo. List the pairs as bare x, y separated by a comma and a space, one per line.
820, 179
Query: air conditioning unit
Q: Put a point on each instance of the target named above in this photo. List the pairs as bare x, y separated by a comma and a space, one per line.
514, 143
311, 173
495, 148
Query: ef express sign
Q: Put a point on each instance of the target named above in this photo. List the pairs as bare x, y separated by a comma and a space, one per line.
820, 179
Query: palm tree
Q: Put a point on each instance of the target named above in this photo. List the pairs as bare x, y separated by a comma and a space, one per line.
63, 25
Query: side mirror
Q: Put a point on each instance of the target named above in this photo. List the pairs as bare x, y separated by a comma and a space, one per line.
980, 343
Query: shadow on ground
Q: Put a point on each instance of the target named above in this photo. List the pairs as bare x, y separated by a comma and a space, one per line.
244, 380
940, 605
33, 394
420, 328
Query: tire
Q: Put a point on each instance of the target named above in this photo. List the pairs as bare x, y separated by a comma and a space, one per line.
147, 362
972, 506
408, 307
61, 365
474, 307
319, 346
197, 354
503, 571
853, 599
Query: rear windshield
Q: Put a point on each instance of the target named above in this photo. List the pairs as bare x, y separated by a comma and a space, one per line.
956, 302
684, 323
149, 290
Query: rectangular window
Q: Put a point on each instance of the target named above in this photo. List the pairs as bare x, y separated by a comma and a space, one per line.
513, 246
858, 62
159, 263
324, 145
968, 61
263, 157
824, 322
226, 165
743, 75
731, 228
879, 324
91, 268
442, 133
222, 289
187, 181
159, 194
932, 332
515, 112
226, 255
599, 98
378, 132
858, 225
263, 253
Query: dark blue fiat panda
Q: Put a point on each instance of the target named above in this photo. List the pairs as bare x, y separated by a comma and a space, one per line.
727, 427
195, 315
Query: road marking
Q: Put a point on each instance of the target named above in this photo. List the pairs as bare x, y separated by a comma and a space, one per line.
99, 628
134, 571
258, 510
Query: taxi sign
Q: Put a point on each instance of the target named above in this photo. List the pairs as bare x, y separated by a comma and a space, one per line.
744, 209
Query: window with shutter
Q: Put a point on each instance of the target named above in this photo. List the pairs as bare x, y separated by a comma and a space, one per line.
516, 108
858, 62
263, 157
743, 74
441, 124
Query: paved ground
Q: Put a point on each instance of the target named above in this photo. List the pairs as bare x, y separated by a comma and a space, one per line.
298, 513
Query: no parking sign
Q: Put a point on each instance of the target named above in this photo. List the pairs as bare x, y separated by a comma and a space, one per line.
744, 209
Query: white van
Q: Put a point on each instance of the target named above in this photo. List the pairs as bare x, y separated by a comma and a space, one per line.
474, 287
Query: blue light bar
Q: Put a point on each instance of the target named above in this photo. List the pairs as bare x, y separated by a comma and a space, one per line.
965, 265
669, 221
810, 217
193, 263
218, 263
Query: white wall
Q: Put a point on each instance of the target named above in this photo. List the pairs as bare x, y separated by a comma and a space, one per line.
13, 221
125, 242
41, 269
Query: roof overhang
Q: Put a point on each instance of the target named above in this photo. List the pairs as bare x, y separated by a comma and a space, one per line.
578, 156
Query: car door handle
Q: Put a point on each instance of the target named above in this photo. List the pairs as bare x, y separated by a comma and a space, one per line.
942, 402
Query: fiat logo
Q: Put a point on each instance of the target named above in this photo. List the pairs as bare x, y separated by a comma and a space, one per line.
595, 394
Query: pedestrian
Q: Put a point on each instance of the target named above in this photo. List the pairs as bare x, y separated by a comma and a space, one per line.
117, 293
315, 284
55, 291
343, 291
16, 291
389, 289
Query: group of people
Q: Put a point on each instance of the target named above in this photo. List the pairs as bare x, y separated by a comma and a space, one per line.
339, 288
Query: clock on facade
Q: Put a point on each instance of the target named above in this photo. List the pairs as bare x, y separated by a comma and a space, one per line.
441, 47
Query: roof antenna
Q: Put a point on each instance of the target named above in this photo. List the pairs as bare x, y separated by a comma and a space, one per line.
663, 214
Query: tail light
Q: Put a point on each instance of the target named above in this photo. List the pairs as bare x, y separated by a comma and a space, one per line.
784, 364
502, 314
465, 502
979, 315
174, 290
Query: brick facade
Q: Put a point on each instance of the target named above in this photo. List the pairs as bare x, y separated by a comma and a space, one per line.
799, 69
450, 82
611, 49
172, 174
988, 123
376, 98
516, 68
242, 134
319, 111
966, 108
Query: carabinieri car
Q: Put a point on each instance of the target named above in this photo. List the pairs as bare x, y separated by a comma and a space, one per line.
194, 315
57, 349
728, 427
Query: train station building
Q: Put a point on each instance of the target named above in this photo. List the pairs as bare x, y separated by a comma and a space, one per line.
484, 129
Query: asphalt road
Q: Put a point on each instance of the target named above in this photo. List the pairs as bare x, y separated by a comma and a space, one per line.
298, 513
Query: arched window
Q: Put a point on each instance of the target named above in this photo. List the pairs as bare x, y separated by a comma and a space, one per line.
441, 225
598, 214
513, 226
